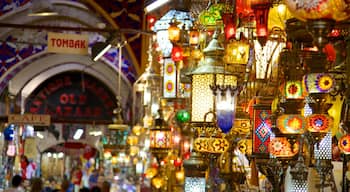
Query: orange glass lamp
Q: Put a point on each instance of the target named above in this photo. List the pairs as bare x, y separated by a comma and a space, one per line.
174, 31
344, 144
194, 36
291, 124
237, 52
281, 148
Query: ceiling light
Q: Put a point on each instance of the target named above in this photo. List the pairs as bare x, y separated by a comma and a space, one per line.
78, 133
99, 49
155, 4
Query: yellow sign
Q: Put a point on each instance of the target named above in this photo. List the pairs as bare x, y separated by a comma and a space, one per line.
32, 119
67, 43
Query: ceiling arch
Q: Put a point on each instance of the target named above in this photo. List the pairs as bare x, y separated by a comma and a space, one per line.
36, 72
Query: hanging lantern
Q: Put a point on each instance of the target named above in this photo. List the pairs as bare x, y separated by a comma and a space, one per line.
174, 31
209, 18
293, 90
319, 123
344, 144
261, 126
280, 147
160, 138
229, 25
183, 116
318, 82
237, 52
209, 71
194, 36
226, 101
261, 11
291, 124
195, 172
177, 53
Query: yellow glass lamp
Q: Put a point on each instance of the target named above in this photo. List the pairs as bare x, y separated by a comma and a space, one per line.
174, 31
237, 52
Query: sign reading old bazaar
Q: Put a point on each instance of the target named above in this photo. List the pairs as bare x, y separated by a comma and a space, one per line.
72, 97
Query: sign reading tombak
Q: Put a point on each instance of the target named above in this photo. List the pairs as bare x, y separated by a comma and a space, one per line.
67, 43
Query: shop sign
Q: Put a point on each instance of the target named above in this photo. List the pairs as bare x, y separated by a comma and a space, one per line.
67, 43
32, 119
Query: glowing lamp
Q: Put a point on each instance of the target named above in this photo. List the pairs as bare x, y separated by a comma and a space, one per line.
280, 147
291, 124
319, 123
261, 12
180, 176
226, 101
261, 126
160, 138
210, 71
183, 116
194, 37
158, 182
229, 25
293, 90
177, 53
344, 144
318, 82
174, 31
237, 52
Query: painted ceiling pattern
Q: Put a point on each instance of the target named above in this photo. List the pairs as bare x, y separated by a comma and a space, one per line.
126, 13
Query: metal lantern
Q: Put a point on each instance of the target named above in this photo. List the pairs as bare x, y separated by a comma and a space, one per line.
195, 172
160, 137
209, 72
237, 52
174, 31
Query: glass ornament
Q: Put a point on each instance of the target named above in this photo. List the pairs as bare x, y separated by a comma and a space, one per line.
182, 116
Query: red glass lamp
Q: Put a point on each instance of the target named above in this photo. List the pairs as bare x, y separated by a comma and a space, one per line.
177, 53
261, 11
229, 25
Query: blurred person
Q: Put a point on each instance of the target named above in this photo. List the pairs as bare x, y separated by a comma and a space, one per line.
65, 185
76, 178
95, 189
84, 189
93, 178
16, 184
36, 185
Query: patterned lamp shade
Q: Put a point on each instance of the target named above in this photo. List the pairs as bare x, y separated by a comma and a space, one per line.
261, 129
318, 82
280, 147
160, 139
320, 123
293, 90
291, 124
325, 9
344, 144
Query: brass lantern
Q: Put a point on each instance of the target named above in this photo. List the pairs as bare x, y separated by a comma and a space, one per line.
210, 71
174, 31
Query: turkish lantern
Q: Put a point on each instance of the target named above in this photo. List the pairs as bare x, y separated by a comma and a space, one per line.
261, 12
176, 53
229, 25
